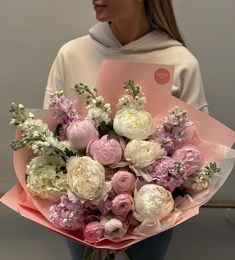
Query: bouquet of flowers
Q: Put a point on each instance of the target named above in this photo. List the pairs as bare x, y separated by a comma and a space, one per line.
109, 179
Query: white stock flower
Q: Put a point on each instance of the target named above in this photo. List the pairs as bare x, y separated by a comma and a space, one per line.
30, 126
98, 115
134, 124
86, 177
143, 153
107, 107
202, 178
37, 136
63, 145
99, 100
198, 183
152, 203
45, 178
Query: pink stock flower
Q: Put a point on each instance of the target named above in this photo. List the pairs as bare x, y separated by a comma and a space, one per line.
167, 142
123, 181
105, 151
93, 231
64, 114
122, 204
63, 110
80, 133
191, 158
171, 131
167, 172
67, 214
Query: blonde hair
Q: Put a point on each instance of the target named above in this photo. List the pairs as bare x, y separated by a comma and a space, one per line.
161, 15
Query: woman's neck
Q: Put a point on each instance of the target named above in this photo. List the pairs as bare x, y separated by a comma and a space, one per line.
128, 30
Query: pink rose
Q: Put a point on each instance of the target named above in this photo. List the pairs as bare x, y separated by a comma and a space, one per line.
114, 228
105, 151
191, 158
123, 181
80, 133
93, 231
122, 204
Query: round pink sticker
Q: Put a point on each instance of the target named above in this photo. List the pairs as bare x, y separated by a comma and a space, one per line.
162, 76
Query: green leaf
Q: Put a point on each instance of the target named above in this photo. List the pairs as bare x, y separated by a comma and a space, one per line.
57, 130
112, 135
103, 128
17, 144
68, 152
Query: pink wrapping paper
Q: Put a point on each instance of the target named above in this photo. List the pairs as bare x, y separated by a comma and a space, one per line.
115, 73
111, 79
112, 75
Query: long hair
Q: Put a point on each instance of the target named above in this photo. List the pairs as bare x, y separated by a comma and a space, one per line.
161, 15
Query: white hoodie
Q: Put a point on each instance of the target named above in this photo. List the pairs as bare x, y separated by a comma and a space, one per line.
79, 61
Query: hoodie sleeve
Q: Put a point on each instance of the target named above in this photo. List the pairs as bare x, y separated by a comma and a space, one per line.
191, 87
55, 80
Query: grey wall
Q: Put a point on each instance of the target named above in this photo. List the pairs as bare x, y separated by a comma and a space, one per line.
208, 27
32, 31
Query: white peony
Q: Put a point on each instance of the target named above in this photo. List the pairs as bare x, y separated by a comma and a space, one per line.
143, 153
86, 177
152, 203
134, 124
45, 178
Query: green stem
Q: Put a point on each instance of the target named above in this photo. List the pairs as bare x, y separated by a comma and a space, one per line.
85, 253
86, 90
126, 256
92, 255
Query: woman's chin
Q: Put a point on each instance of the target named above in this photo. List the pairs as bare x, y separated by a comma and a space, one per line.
101, 17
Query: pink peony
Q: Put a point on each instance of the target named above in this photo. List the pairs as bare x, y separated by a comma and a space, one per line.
123, 181
122, 204
105, 151
191, 158
114, 228
80, 133
93, 231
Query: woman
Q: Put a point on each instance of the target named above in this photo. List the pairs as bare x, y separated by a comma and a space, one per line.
140, 30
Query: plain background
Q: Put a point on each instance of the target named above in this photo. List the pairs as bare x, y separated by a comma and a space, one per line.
32, 31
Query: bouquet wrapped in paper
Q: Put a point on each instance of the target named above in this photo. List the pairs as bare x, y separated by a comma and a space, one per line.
136, 163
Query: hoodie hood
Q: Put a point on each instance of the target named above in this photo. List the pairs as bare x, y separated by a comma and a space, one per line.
102, 34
